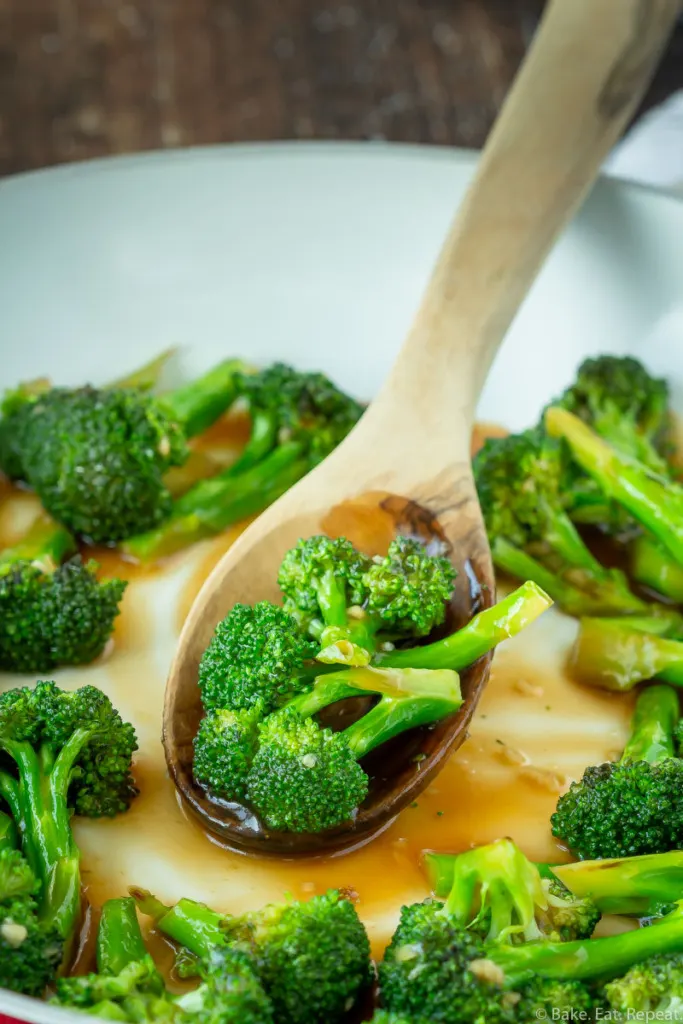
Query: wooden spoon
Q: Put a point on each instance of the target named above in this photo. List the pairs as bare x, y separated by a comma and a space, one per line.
406, 466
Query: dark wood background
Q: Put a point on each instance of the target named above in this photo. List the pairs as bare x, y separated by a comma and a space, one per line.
87, 78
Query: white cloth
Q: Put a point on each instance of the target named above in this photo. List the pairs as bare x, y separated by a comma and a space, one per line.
652, 152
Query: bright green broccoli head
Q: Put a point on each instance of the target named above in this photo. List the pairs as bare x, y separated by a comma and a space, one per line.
52, 618
624, 809
519, 479
224, 749
621, 401
321, 578
100, 782
256, 653
30, 953
97, 459
435, 969
137, 992
543, 998
304, 778
409, 589
654, 985
306, 407
230, 993
313, 957
500, 895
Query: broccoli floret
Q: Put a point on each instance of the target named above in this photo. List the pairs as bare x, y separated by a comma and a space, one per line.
52, 614
439, 969
316, 767
342, 596
297, 420
30, 952
224, 749
634, 806
500, 895
621, 401
257, 654
524, 499
655, 985
230, 993
550, 999
97, 457
312, 958
65, 752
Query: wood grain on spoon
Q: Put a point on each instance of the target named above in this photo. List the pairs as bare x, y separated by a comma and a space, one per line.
409, 455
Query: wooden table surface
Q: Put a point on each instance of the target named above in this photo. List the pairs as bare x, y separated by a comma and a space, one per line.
87, 78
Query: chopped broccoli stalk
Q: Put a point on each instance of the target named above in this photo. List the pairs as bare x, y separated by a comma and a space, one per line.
65, 752
616, 656
653, 566
642, 886
145, 377
52, 614
525, 499
119, 939
257, 655
312, 958
436, 968
481, 634
30, 951
633, 806
304, 778
621, 401
311, 418
656, 502
131, 437
654, 986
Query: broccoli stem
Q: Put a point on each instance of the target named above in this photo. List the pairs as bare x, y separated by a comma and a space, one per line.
585, 959
440, 698
652, 565
212, 505
516, 562
614, 656
145, 377
199, 404
654, 720
190, 924
46, 542
9, 837
365, 681
262, 440
119, 938
655, 502
640, 886
440, 869
482, 633
38, 801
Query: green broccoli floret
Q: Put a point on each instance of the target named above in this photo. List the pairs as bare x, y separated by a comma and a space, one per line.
550, 999
298, 757
439, 969
312, 958
65, 752
52, 613
224, 749
97, 457
634, 806
30, 952
257, 653
500, 895
655, 985
343, 597
128, 986
621, 401
524, 498
297, 420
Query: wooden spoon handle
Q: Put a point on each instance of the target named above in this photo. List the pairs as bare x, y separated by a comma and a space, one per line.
588, 67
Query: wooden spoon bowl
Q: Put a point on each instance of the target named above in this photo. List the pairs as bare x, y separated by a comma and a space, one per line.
400, 769
406, 464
